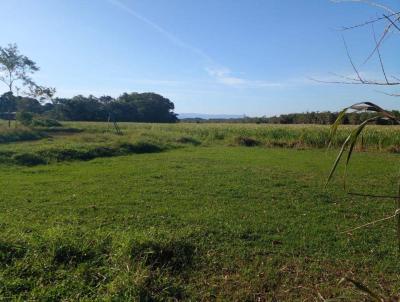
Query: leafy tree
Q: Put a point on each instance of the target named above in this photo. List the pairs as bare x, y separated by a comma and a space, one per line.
28, 104
25, 118
8, 102
80, 108
16, 71
151, 107
133, 107
15, 67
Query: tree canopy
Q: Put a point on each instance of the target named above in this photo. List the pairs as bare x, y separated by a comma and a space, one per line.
129, 107
16, 70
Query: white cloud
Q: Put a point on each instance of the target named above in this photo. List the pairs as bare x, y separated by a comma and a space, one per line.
225, 76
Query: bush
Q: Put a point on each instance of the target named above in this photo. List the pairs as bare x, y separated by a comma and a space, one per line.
29, 120
29, 159
25, 118
45, 123
20, 134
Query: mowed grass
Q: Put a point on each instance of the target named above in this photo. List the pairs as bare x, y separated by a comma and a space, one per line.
212, 223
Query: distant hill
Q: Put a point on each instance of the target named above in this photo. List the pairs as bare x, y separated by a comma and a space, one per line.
208, 116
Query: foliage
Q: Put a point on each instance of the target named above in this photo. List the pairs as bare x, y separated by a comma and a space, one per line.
20, 134
374, 138
319, 118
25, 118
45, 122
16, 71
28, 119
8, 102
138, 107
15, 67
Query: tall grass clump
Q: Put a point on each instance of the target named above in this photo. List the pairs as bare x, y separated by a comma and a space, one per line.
8, 135
81, 152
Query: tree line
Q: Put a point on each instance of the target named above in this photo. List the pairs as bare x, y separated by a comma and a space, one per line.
26, 96
129, 107
320, 118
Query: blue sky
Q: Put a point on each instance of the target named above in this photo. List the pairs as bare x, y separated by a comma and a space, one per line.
251, 57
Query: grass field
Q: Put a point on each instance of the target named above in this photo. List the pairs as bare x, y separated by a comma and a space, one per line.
205, 220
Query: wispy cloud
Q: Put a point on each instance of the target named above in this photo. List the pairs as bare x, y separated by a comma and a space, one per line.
170, 36
225, 76
219, 73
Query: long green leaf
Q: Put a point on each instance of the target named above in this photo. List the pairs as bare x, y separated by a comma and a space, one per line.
336, 124
353, 140
338, 159
368, 106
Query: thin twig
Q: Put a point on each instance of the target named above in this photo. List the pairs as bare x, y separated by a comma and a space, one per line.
381, 39
367, 22
373, 196
388, 94
379, 55
351, 60
364, 82
391, 21
396, 213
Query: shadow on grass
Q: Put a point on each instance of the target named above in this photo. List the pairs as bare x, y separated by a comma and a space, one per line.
10, 252
174, 256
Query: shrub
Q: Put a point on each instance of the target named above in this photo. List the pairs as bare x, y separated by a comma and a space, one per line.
25, 118
29, 159
20, 134
45, 123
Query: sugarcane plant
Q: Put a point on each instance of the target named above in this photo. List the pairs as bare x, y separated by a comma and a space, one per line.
389, 19
351, 141
391, 25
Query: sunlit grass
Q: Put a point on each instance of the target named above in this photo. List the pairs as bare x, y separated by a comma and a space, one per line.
194, 223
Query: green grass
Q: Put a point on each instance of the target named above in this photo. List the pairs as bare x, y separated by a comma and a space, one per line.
207, 219
84, 140
381, 138
195, 223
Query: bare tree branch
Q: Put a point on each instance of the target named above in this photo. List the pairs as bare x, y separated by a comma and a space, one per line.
357, 82
379, 43
393, 23
344, 28
389, 28
379, 55
351, 61
388, 94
